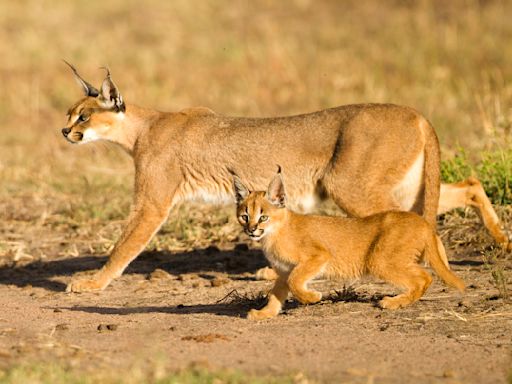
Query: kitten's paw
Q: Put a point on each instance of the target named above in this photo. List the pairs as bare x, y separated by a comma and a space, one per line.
266, 273
393, 302
309, 297
86, 285
261, 314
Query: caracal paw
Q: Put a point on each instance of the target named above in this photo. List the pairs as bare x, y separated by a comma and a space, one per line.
85, 285
309, 297
261, 314
266, 273
396, 302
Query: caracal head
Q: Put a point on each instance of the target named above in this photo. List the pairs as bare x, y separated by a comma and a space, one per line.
259, 212
98, 115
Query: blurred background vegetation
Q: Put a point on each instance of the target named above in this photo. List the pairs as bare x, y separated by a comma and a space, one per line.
448, 59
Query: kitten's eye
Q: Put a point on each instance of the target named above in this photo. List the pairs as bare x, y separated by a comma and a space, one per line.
244, 218
263, 218
83, 118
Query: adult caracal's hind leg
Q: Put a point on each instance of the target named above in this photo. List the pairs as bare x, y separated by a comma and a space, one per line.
276, 299
149, 212
470, 193
414, 279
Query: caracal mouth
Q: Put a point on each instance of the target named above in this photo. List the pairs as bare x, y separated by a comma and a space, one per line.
77, 135
71, 141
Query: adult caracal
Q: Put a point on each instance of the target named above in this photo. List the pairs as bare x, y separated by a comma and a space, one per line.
368, 158
386, 245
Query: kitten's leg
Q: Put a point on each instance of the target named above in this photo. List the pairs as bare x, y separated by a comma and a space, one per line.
276, 299
301, 275
414, 279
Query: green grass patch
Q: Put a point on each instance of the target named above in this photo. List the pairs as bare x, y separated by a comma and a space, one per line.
492, 168
56, 374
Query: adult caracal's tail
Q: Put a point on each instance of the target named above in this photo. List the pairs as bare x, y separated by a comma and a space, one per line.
433, 252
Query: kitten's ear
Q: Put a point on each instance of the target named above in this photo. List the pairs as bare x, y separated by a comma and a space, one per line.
241, 191
275, 192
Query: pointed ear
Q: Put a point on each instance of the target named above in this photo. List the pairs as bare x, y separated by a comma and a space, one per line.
275, 192
89, 90
241, 191
110, 95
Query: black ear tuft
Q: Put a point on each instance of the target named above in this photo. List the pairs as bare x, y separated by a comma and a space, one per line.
89, 90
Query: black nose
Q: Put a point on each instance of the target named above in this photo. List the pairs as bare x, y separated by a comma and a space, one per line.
252, 229
65, 131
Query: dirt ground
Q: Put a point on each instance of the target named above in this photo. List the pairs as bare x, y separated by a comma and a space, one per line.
188, 308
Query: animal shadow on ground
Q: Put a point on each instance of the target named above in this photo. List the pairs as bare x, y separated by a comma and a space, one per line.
41, 273
233, 304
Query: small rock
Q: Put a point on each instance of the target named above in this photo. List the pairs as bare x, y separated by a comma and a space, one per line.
187, 276
159, 274
57, 310
383, 327
218, 281
107, 327
448, 373
61, 327
465, 303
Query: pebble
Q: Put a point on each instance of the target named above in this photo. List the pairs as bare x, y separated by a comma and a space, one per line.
465, 303
159, 274
61, 327
107, 327
218, 281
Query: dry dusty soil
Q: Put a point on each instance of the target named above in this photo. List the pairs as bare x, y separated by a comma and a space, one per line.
189, 308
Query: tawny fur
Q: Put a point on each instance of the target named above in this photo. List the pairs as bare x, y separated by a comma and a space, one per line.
363, 156
300, 247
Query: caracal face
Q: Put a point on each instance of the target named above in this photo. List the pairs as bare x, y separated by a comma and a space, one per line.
259, 212
89, 121
255, 214
98, 115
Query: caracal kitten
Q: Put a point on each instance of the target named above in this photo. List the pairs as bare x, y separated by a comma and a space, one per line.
300, 247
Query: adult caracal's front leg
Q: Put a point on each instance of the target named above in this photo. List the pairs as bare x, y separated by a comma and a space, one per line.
151, 209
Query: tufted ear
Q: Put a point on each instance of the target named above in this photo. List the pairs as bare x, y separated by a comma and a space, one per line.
241, 191
275, 192
110, 95
89, 90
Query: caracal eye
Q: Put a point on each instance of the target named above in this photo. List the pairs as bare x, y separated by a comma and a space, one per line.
263, 218
83, 118
244, 218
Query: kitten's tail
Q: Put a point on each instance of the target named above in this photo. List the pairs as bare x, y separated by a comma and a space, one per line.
435, 254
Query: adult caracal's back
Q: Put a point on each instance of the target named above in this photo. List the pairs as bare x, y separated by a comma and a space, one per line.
368, 158
385, 245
